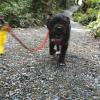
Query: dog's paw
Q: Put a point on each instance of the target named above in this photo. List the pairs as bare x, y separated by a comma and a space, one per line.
52, 56
57, 52
61, 64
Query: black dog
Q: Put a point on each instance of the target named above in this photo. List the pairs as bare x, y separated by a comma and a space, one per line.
59, 34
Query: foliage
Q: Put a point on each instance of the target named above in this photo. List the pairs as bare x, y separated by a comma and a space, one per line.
79, 17
95, 27
89, 8
88, 14
95, 4
15, 10
86, 18
25, 13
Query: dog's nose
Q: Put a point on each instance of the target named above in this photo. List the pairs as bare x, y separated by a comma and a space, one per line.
59, 28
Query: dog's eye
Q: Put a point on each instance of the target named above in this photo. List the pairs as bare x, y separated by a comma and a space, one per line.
64, 22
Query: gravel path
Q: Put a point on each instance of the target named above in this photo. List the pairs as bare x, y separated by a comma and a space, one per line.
27, 76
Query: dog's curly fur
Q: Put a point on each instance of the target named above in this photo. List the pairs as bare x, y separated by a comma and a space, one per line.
59, 28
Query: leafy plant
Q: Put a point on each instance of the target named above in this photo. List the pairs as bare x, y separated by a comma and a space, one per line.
95, 27
87, 14
25, 13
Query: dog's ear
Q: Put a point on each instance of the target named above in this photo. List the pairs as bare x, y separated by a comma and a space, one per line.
50, 14
67, 19
49, 17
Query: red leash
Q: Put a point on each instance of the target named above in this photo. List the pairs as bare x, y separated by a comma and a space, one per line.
33, 49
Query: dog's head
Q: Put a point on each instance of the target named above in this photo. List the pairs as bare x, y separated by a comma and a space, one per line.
57, 25
58, 30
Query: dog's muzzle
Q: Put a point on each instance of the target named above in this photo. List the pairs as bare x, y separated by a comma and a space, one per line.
58, 34
59, 30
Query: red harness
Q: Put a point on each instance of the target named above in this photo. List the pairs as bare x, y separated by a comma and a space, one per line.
56, 41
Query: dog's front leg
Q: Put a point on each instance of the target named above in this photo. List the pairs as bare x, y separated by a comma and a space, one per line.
61, 60
52, 51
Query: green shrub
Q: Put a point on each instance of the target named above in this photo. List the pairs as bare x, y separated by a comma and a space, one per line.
19, 13
23, 13
13, 10
92, 14
88, 12
84, 19
95, 4
95, 27
77, 16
